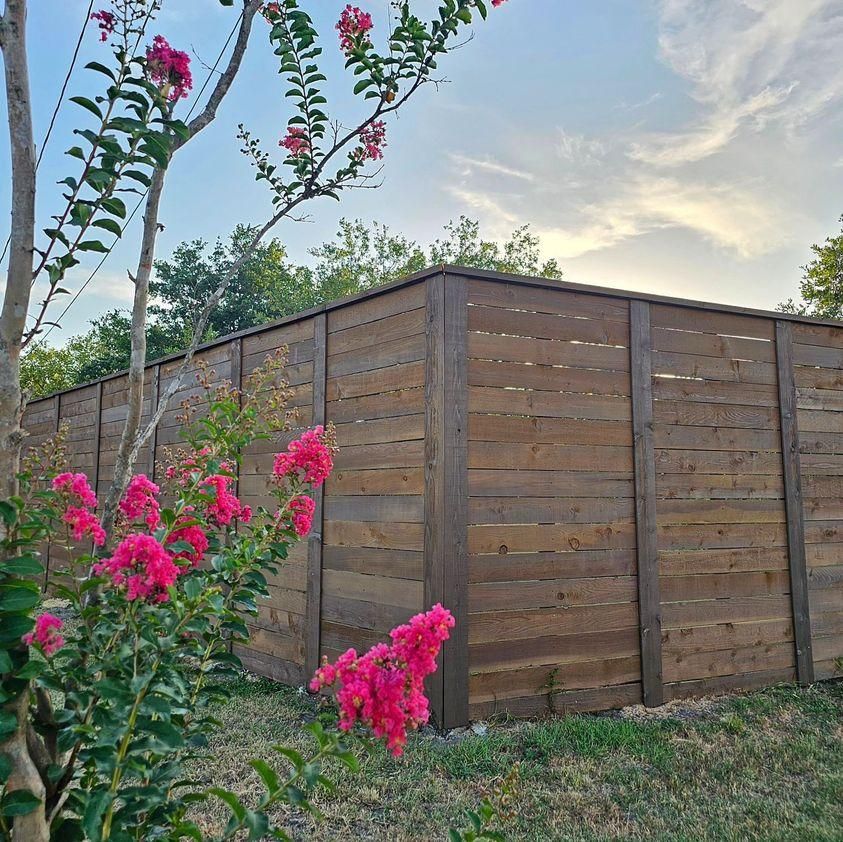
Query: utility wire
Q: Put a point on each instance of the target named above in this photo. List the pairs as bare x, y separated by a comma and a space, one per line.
62, 92
143, 195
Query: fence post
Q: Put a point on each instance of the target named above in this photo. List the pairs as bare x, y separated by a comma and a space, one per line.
97, 432
235, 354
446, 487
49, 553
649, 597
313, 604
154, 395
793, 503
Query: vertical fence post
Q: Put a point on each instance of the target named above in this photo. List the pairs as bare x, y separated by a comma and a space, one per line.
95, 479
446, 486
154, 395
793, 503
49, 552
235, 354
313, 609
649, 597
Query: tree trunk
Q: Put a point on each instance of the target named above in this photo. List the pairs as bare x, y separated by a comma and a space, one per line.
31, 827
125, 459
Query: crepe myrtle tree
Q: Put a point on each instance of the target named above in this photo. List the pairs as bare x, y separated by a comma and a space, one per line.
321, 154
58, 770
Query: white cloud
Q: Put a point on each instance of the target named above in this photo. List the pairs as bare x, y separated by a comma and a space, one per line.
748, 62
758, 73
469, 165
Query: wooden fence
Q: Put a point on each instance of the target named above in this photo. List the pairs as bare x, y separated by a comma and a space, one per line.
621, 497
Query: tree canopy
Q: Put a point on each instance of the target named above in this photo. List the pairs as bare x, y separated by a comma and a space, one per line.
268, 286
822, 281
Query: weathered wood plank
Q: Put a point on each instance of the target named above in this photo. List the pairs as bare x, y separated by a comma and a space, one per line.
313, 612
649, 602
793, 503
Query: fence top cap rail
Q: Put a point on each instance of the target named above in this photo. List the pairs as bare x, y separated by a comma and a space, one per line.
466, 272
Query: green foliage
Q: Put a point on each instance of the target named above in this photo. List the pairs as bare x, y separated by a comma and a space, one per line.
266, 287
132, 134
124, 702
822, 282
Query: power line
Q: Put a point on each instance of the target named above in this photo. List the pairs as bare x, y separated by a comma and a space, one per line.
62, 92
143, 195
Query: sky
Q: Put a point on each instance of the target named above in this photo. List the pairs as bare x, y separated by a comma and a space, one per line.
681, 147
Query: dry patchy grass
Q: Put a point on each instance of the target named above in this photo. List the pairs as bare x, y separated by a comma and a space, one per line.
762, 766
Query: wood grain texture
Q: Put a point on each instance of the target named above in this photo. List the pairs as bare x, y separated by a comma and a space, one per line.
793, 502
649, 600
313, 612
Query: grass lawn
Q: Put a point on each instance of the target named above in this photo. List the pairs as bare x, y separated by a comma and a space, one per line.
767, 765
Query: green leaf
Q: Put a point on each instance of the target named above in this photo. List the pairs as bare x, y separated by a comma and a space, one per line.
94, 813
101, 68
23, 565
14, 627
109, 225
18, 598
114, 206
232, 800
8, 513
5, 661
86, 103
92, 245
267, 775
18, 803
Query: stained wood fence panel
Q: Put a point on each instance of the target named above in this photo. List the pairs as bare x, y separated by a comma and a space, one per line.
552, 597
373, 532
621, 497
721, 517
818, 375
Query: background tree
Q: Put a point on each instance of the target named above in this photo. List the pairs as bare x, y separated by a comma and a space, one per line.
269, 286
822, 282
266, 287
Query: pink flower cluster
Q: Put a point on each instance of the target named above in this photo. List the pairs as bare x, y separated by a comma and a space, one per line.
106, 23
141, 564
193, 535
139, 501
295, 141
373, 140
224, 505
169, 69
384, 689
301, 509
497, 3
83, 522
46, 634
76, 485
308, 459
81, 500
353, 26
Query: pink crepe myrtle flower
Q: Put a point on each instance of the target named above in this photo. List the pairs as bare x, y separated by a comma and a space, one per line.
307, 459
372, 140
169, 69
295, 141
353, 27
384, 688
46, 634
194, 535
224, 505
139, 501
497, 3
141, 564
301, 509
76, 487
83, 522
105, 23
